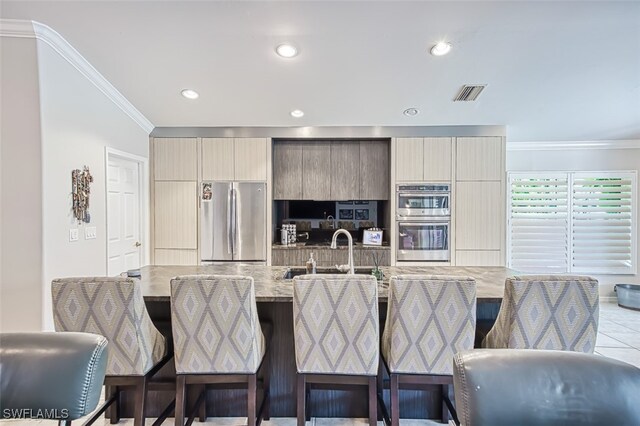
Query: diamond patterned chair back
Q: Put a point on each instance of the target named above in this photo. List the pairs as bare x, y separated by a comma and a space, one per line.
429, 319
115, 309
215, 325
336, 324
547, 312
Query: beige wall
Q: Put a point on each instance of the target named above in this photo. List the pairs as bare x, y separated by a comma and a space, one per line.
54, 120
78, 122
20, 187
582, 159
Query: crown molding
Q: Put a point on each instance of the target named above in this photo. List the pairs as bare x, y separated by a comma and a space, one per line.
575, 145
32, 29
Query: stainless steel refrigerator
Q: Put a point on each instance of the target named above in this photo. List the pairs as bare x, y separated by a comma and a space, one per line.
233, 222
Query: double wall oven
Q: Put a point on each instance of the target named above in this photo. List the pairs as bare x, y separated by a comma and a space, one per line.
423, 221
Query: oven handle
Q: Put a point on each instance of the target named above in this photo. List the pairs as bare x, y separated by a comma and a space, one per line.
423, 222
426, 194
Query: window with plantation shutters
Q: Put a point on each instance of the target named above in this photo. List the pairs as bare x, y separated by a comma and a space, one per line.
572, 222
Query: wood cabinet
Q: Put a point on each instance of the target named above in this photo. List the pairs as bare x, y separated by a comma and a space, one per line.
241, 159
287, 171
345, 170
423, 159
480, 158
479, 215
374, 170
175, 215
331, 170
325, 257
176, 257
175, 159
316, 171
479, 258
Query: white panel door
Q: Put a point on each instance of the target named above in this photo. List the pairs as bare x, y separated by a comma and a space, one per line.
123, 216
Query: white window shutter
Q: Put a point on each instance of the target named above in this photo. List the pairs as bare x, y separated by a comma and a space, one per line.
538, 238
603, 229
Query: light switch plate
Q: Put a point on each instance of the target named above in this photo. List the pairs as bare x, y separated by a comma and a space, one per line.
89, 232
73, 234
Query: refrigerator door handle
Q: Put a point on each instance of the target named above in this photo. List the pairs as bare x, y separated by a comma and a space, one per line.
229, 214
235, 221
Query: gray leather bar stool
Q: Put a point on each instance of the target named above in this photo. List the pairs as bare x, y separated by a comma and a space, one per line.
547, 312
218, 341
115, 309
429, 319
336, 333
55, 376
544, 388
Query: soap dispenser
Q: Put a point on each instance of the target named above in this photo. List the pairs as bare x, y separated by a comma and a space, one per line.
311, 265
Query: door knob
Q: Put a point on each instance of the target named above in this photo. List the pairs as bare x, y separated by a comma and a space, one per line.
137, 244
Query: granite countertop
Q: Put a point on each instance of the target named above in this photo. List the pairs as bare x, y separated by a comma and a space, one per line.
271, 287
321, 246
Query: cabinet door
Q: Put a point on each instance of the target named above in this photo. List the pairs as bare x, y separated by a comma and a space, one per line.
250, 159
409, 159
175, 215
217, 159
287, 171
480, 216
437, 159
175, 257
374, 170
479, 258
316, 171
175, 159
345, 170
480, 158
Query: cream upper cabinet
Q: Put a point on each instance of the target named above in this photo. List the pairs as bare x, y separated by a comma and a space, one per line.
243, 159
287, 171
480, 158
175, 159
217, 159
423, 159
409, 159
250, 159
437, 159
175, 215
480, 215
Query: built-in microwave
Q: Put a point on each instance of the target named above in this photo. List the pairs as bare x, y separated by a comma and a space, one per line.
423, 240
423, 200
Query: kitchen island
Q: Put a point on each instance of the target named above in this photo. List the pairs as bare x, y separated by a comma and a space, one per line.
274, 296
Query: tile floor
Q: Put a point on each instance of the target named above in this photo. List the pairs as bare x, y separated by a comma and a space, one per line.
618, 338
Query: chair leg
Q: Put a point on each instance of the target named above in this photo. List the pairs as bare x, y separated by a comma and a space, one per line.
140, 397
301, 396
307, 403
373, 400
114, 409
395, 405
203, 405
180, 399
251, 400
267, 387
445, 409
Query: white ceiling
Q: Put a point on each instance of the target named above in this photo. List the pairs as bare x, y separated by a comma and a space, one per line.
555, 70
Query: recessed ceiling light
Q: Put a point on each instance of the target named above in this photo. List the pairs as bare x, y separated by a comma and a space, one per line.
286, 50
190, 94
411, 112
441, 48
296, 113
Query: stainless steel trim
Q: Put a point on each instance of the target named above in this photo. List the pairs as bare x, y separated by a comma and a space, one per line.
328, 132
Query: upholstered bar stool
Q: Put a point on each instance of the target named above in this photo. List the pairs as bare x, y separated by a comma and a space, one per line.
336, 333
218, 340
115, 309
429, 319
547, 312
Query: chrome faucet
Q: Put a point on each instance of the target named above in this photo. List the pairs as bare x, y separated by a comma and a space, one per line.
342, 268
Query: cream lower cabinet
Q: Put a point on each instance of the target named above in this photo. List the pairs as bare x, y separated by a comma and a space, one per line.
175, 222
480, 223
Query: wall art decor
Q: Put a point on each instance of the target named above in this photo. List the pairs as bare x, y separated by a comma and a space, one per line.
80, 190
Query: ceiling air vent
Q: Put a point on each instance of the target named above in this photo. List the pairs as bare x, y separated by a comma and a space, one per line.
469, 93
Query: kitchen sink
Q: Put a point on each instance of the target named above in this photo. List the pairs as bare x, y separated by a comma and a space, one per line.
294, 272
